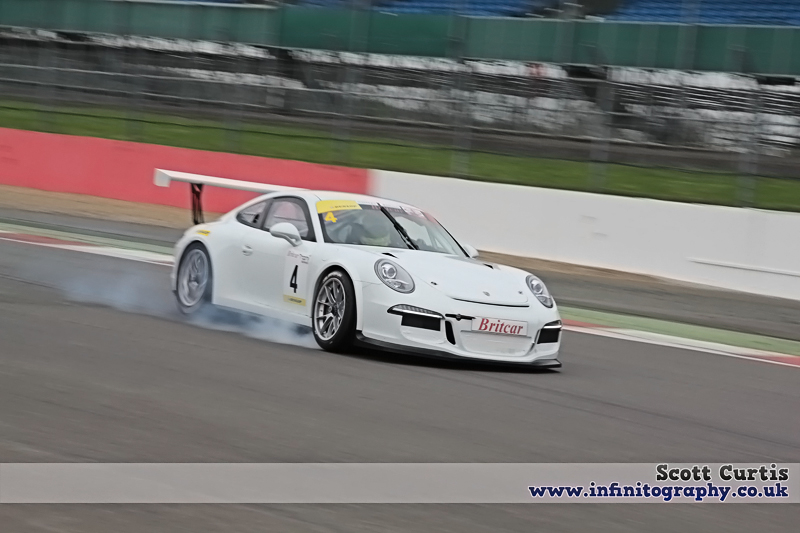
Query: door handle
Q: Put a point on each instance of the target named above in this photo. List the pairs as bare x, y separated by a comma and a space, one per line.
247, 250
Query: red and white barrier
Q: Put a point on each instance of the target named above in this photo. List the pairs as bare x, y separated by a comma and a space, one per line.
740, 249
124, 170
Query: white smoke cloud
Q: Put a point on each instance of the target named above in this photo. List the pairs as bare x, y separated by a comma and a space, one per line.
144, 289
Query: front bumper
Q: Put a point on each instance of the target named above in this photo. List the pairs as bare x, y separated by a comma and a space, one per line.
361, 340
451, 335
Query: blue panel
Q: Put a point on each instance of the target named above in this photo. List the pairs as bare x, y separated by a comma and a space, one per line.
762, 12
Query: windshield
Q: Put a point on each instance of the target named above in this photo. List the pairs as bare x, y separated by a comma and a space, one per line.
348, 222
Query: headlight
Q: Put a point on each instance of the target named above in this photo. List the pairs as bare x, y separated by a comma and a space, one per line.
539, 290
394, 276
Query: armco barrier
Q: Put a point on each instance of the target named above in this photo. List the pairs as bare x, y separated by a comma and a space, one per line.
740, 249
124, 170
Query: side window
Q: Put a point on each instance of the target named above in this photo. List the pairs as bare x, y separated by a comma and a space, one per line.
293, 211
252, 215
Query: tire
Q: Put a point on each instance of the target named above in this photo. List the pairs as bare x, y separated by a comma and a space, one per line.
334, 325
194, 279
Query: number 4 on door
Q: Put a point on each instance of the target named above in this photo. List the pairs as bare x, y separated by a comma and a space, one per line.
293, 279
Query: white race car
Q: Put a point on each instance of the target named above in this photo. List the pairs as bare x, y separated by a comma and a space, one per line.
368, 271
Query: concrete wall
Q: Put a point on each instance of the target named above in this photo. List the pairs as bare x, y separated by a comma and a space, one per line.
741, 249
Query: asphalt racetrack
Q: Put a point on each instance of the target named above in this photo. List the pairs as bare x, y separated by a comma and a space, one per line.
97, 365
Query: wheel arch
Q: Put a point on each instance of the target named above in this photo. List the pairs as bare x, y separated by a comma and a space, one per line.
193, 246
348, 270
186, 246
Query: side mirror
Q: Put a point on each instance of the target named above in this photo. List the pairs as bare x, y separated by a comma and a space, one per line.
471, 251
284, 230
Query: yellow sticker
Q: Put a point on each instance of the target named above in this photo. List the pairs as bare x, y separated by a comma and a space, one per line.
329, 217
336, 205
203, 232
294, 300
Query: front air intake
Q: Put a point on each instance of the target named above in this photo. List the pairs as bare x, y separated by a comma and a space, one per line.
550, 333
448, 331
417, 317
422, 322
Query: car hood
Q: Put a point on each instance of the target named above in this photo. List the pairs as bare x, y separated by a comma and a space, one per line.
465, 279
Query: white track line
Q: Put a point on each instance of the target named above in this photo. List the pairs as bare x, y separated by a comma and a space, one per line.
142, 256
614, 333
685, 344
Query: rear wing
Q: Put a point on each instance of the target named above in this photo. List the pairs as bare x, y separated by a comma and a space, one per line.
162, 178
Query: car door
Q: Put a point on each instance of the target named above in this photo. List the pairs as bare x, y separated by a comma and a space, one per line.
275, 273
230, 257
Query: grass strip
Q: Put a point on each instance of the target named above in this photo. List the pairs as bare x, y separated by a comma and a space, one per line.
686, 331
315, 146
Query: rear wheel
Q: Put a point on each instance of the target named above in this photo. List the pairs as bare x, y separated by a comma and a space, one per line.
193, 290
334, 312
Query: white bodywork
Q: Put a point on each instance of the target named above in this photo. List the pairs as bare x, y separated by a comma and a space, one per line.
254, 271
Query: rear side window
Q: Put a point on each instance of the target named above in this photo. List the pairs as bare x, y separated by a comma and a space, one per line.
291, 210
252, 215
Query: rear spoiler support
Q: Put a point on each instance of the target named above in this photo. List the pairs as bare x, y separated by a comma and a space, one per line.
197, 204
162, 178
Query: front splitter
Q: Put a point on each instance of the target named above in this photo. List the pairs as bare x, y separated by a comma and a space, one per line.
366, 342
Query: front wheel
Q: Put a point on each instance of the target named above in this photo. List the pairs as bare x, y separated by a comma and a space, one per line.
193, 290
334, 312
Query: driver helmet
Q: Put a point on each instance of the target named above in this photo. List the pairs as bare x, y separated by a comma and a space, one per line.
377, 229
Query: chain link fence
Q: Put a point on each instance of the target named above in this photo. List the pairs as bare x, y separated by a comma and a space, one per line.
454, 111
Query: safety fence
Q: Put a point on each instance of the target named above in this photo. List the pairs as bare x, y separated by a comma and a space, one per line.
518, 122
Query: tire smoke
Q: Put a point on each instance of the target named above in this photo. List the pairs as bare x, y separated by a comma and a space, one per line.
144, 289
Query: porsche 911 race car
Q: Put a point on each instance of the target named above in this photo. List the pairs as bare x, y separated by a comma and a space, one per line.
368, 271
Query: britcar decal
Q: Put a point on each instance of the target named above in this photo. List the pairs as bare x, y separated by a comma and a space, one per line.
497, 325
294, 300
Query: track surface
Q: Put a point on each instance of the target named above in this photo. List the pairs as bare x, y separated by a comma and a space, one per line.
128, 381
583, 288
